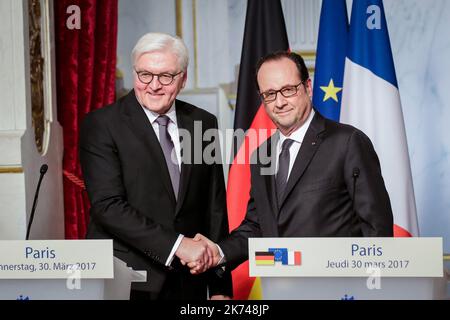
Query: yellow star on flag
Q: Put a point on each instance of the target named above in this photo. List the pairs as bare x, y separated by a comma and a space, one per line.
330, 91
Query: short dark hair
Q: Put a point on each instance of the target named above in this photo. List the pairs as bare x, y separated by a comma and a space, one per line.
278, 55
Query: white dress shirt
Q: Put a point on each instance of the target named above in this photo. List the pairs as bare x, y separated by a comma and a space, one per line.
172, 127
298, 136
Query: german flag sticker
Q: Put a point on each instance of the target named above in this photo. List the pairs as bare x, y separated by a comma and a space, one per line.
264, 258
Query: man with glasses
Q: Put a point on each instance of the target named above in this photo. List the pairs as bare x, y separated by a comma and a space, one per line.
144, 195
326, 179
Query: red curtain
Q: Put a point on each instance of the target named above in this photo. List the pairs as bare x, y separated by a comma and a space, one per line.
85, 72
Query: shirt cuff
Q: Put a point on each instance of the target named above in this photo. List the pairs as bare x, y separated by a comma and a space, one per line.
174, 249
222, 256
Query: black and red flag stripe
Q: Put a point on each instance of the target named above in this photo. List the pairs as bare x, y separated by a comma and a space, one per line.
265, 32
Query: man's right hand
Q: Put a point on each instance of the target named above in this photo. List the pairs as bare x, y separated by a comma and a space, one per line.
195, 252
214, 255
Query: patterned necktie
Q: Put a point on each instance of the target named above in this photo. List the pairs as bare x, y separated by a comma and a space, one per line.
283, 168
168, 148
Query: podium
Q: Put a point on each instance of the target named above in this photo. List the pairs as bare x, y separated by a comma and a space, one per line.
343, 268
64, 270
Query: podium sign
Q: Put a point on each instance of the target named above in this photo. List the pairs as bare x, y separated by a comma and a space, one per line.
56, 259
64, 270
345, 257
349, 268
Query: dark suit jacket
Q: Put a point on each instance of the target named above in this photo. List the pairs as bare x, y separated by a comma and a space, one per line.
132, 197
318, 201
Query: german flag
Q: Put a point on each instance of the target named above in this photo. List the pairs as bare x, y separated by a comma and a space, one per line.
265, 32
264, 258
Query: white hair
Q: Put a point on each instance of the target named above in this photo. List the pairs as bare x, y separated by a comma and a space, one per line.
159, 42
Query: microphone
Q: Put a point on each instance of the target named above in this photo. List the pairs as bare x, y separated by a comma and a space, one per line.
43, 170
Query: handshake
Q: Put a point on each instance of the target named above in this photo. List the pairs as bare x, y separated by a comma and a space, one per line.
198, 253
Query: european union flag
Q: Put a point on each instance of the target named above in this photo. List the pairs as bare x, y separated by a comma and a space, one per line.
281, 254
330, 60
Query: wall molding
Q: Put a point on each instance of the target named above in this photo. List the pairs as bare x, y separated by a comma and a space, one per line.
4, 170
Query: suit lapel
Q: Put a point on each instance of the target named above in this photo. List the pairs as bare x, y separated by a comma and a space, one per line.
138, 122
185, 122
310, 144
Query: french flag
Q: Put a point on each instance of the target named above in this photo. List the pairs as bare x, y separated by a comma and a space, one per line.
294, 258
371, 102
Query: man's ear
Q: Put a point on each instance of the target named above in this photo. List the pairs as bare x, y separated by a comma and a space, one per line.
183, 83
308, 86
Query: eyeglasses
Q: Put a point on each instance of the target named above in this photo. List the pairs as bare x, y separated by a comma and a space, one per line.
288, 91
164, 78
